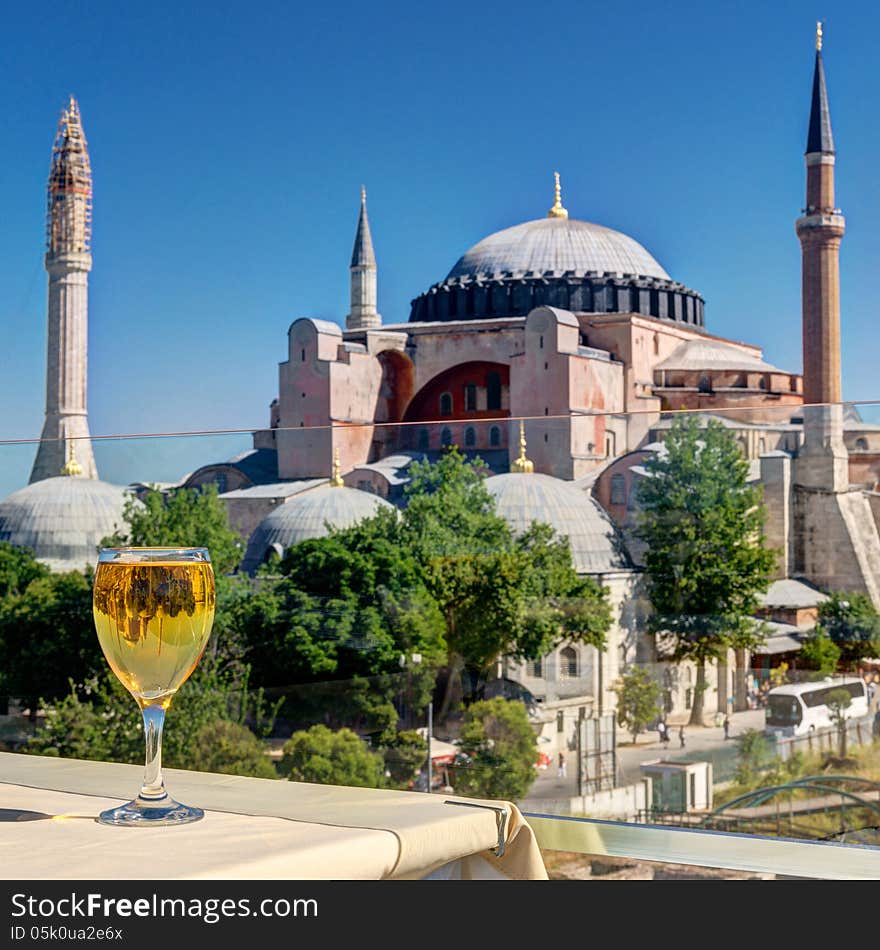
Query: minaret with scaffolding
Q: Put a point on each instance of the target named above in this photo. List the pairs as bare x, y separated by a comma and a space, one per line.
68, 262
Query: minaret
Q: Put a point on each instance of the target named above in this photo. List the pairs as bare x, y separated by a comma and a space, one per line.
824, 457
364, 314
68, 262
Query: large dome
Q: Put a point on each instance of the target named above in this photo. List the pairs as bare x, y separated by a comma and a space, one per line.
552, 247
63, 519
523, 498
309, 515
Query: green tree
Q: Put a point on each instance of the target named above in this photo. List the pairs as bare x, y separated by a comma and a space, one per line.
99, 720
819, 655
498, 594
405, 754
706, 559
839, 700
754, 755
499, 752
47, 637
326, 757
638, 700
229, 748
850, 620
18, 567
187, 517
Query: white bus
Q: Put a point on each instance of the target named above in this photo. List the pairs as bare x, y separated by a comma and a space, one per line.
801, 708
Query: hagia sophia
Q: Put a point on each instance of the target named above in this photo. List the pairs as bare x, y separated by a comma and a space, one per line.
557, 351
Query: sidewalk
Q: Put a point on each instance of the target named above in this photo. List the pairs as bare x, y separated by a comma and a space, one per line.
648, 748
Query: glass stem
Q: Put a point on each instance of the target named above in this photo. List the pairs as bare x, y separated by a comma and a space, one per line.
153, 788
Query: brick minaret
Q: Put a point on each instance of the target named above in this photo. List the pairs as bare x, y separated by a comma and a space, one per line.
364, 314
68, 262
823, 462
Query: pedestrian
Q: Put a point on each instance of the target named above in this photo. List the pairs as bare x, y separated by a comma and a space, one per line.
560, 769
681, 737
871, 690
726, 726
664, 735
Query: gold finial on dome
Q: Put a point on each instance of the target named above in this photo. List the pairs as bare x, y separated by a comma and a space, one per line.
336, 479
818, 36
522, 464
557, 211
71, 466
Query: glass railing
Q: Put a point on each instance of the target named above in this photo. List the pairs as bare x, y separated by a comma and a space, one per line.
660, 642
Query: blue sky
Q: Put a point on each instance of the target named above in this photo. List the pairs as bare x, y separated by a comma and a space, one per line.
229, 143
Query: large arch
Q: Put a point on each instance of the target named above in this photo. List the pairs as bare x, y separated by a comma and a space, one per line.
457, 399
395, 391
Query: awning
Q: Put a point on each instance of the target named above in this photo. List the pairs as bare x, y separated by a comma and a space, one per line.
779, 644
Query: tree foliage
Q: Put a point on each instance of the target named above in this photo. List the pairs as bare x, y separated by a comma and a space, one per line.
405, 753
638, 700
326, 757
18, 567
186, 517
850, 620
499, 753
819, 654
706, 559
47, 637
839, 700
229, 748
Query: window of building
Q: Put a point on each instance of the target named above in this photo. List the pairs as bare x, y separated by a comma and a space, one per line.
302, 355
541, 342
609, 445
470, 437
705, 385
618, 490
568, 663
446, 404
493, 391
424, 440
741, 381
446, 437
656, 344
762, 446
494, 436
862, 445
535, 668
792, 384
762, 382
470, 397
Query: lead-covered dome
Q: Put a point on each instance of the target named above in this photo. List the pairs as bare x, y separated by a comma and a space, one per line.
310, 514
552, 247
560, 262
524, 498
63, 519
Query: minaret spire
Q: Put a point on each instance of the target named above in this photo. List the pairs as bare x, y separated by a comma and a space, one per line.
363, 275
820, 229
68, 261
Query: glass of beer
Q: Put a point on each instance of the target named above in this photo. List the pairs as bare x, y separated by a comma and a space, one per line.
153, 610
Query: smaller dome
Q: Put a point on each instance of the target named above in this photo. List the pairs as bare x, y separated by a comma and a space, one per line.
310, 514
63, 519
522, 499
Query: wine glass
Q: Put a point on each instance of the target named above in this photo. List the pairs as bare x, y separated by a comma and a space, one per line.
153, 610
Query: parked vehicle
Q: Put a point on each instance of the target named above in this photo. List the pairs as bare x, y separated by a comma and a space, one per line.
800, 708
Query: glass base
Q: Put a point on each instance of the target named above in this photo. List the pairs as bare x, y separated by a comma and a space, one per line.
142, 813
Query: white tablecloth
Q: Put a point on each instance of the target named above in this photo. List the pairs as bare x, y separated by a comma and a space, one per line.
253, 829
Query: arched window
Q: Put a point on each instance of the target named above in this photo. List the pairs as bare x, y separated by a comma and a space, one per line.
493, 391
742, 381
705, 385
446, 404
618, 490
494, 436
762, 382
568, 663
862, 445
424, 440
470, 437
446, 437
470, 397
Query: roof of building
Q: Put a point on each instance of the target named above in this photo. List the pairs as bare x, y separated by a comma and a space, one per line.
554, 246
274, 489
63, 519
309, 514
362, 254
781, 638
392, 467
712, 355
792, 594
523, 498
